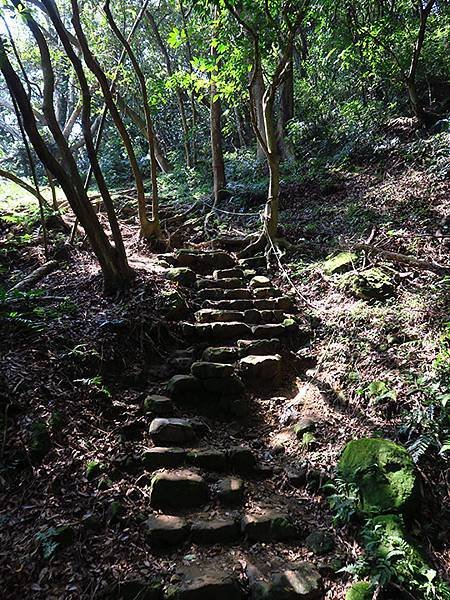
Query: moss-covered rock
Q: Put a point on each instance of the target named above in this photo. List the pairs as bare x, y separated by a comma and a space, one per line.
361, 590
181, 275
409, 563
383, 471
372, 284
340, 263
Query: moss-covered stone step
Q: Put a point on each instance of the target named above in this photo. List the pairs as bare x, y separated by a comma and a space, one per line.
258, 347
216, 293
203, 261
206, 583
256, 369
236, 273
181, 275
170, 431
210, 315
269, 526
297, 581
274, 330
178, 489
220, 354
237, 459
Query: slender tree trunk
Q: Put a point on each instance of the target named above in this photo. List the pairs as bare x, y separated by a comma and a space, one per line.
148, 120
161, 159
258, 93
239, 128
218, 165
273, 161
145, 225
286, 112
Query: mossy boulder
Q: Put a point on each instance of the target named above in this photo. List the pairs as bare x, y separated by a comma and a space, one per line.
372, 284
383, 471
361, 590
340, 263
395, 545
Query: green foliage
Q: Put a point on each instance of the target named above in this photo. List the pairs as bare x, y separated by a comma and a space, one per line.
55, 538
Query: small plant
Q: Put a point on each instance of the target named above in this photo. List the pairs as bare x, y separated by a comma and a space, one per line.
377, 391
95, 384
55, 538
344, 500
308, 439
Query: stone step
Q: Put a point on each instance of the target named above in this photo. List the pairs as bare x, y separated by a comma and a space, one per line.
238, 459
223, 284
158, 406
215, 397
229, 273
216, 293
203, 261
293, 581
206, 583
254, 262
216, 332
282, 303
170, 432
266, 292
221, 354
256, 369
271, 526
176, 490
258, 347
249, 316
259, 281
268, 526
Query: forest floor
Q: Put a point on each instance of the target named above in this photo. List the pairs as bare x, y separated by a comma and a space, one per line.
82, 364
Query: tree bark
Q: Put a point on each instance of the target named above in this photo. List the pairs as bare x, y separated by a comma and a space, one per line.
286, 112
257, 94
218, 165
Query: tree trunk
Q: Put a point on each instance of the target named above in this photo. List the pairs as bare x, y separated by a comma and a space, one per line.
154, 230
286, 112
94, 67
258, 93
218, 165
273, 161
116, 275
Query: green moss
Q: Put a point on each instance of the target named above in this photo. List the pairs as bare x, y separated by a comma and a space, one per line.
409, 563
40, 440
361, 590
340, 263
383, 472
372, 284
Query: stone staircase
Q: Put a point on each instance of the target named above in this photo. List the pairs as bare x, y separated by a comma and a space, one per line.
207, 483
